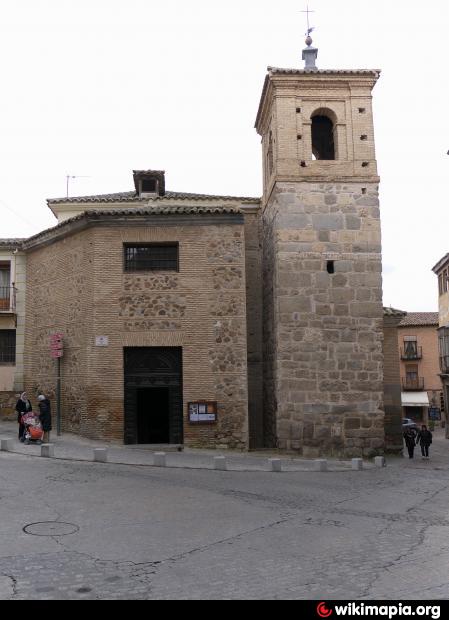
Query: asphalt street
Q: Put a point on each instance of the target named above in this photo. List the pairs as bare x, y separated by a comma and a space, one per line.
78, 530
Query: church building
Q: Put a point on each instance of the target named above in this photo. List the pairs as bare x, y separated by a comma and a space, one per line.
226, 322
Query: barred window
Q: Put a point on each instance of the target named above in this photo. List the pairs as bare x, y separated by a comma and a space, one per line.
152, 257
7, 346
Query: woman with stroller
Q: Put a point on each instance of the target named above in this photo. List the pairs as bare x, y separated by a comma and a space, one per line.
23, 406
45, 416
424, 439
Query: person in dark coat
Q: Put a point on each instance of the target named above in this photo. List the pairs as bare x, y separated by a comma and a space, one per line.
410, 441
424, 439
45, 416
23, 406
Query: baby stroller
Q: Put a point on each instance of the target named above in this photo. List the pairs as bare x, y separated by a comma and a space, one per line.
33, 428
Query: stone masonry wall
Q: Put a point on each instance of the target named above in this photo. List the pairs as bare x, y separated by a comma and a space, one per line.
78, 286
253, 255
269, 278
324, 330
8, 402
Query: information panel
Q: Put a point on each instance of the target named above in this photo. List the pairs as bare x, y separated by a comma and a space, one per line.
202, 412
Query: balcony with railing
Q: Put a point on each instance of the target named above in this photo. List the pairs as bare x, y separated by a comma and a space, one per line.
411, 353
8, 299
413, 384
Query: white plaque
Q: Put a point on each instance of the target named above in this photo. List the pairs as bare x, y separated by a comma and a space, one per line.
102, 341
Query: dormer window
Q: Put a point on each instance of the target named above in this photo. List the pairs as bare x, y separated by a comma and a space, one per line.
149, 183
149, 186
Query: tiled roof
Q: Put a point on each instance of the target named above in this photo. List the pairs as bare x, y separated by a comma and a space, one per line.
280, 71
440, 264
14, 243
393, 312
133, 197
115, 213
420, 319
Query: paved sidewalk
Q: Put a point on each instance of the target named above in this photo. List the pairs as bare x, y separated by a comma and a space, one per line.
74, 448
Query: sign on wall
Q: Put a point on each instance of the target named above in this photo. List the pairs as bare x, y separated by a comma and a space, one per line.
56, 346
202, 412
434, 413
102, 341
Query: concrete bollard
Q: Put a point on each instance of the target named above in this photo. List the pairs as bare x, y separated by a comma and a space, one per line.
320, 465
220, 463
5, 445
380, 461
357, 464
48, 450
100, 455
160, 459
275, 465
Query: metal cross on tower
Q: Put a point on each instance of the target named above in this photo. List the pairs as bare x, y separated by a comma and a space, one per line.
309, 29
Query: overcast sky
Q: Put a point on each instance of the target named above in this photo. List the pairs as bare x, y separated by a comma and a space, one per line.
97, 88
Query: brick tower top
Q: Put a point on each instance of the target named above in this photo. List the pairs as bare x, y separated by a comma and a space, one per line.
317, 125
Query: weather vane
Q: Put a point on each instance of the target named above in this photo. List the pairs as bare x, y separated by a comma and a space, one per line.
309, 28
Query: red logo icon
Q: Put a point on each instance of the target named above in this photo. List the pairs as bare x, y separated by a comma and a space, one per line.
323, 611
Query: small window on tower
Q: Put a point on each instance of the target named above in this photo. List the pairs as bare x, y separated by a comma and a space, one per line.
331, 267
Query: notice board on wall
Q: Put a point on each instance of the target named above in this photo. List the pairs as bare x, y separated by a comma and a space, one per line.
202, 412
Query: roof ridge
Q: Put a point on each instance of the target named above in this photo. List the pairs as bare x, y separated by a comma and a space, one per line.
131, 196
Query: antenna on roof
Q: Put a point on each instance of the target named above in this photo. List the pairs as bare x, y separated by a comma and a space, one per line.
74, 176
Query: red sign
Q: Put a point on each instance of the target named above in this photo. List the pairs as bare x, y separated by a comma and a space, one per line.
56, 345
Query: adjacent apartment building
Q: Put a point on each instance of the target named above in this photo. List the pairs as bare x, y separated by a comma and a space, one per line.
12, 321
420, 368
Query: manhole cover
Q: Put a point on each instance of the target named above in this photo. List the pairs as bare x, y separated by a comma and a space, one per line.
50, 528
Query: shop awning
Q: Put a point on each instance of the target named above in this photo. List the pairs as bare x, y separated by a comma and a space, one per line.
415, 399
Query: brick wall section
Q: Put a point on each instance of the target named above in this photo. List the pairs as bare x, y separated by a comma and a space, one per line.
324, 333
286, 109
392, 386
78, 286
59, 299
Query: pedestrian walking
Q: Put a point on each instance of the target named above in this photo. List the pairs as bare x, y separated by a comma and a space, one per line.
424, 440
23, 405
45, 416
410, 441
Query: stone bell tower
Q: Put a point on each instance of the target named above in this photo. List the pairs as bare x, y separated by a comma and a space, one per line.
323, 365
